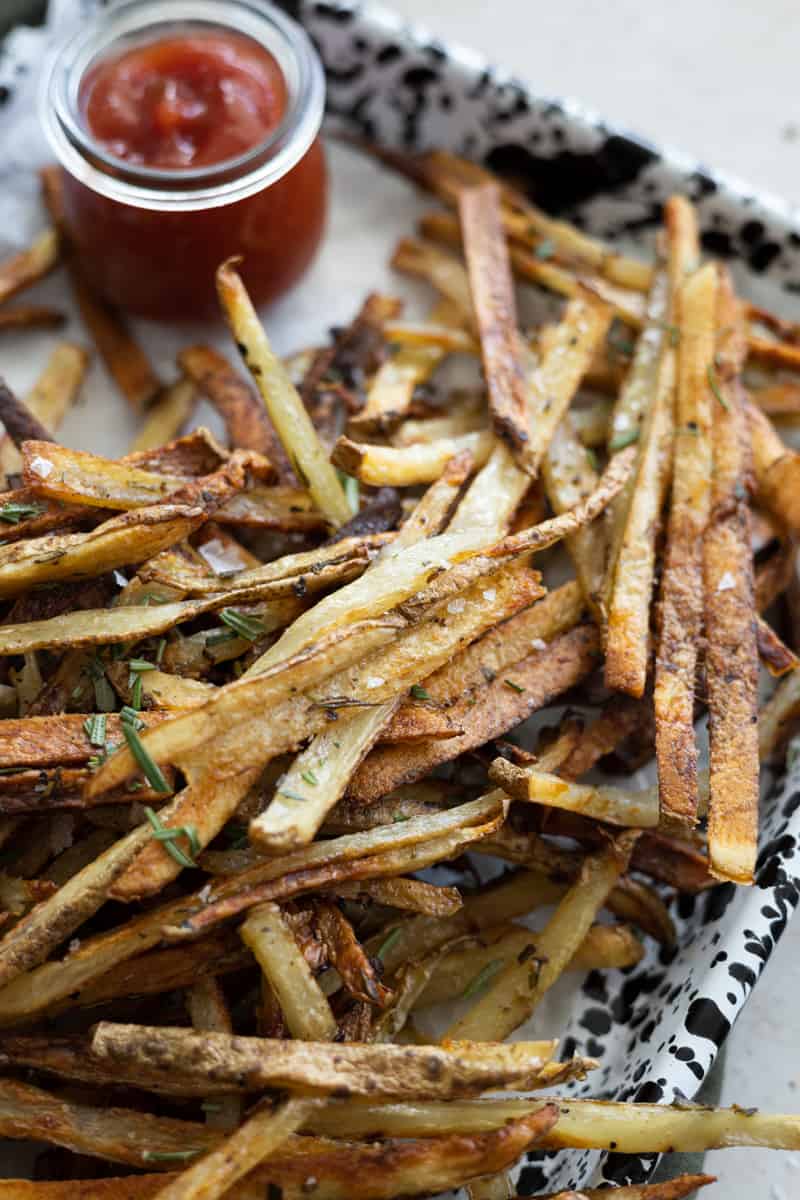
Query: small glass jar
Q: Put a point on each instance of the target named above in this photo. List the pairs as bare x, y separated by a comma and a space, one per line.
150, 239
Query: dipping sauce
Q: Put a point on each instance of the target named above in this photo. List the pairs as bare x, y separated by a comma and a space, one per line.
184, 102
194, 146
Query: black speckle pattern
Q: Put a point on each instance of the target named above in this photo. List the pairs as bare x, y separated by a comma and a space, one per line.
656, 1028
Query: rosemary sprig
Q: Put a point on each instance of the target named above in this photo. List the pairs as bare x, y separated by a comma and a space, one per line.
419, 692
249, 628
515, 687
391, 940
150, 769
95, 729
626, 438
167, 835
12, 513
482, 978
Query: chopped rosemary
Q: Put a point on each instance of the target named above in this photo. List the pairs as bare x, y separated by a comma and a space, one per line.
482, 978
309, 777
419, 693
545, 249
593, 460
352, 490
170, 1155
390, 940
150, 769
95, 729
249, 628
12, 513
105, 699
167, 835
160, 648
130, 716
217, 636
514, 686
290, 795
626, 438
713, 383
136, 690
141, 664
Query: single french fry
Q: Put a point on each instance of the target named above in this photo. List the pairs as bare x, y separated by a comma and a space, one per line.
614, 805
305, 1009
124, 359
208, 1009
732, 651
526, 686
266, 1129
167, 415
681, 607
668, 1189
404, 466
50, 398
478, 959
246, 420
569, 477
285, 408
423, 260
517, 989
495, 310
319, 1068
30, 265
30, 316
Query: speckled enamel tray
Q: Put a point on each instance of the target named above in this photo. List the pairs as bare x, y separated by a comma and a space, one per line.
656, 1029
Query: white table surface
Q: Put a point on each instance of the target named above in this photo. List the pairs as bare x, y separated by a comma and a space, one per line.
717, 79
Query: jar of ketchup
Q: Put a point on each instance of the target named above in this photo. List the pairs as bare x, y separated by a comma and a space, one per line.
187, 131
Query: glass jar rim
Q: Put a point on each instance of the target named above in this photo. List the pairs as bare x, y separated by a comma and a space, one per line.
178, 190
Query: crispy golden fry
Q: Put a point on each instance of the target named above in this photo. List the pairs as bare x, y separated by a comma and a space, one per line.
184, 1058
413, 256
732, 651
681, 609
404, 466
632, 571
495, 310
246, 420
264, 1131
50, 398
777, 469
386, 851
124, 359
131, 1187
517, 989
569, 477
30, 316
569, 282
167, 415
468, 417
30, 265
303, 1004
391, 390
532, 629
614, 805
528, 685
777, 717
285, 408
120, 1135
127, 538
479, 959
410, 894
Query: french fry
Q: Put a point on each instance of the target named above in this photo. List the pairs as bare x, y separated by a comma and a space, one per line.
123, 357
423, 260
354, 967
404, 466
732, 652
569, 477
528, 685
208, 1009
167, 415
777, 469
614, 805
246, 420
492, 293
264, 1131
30, 265
49, 399
305, 1009
319, 1068
391, 390
517, 989
479, 959
286, 411
681, 611
30, 316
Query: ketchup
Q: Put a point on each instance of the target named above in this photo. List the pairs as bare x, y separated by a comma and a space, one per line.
186, 102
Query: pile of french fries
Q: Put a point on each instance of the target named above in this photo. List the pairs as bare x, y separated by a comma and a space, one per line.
249, 692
